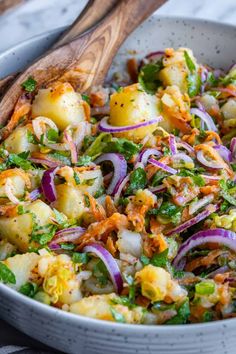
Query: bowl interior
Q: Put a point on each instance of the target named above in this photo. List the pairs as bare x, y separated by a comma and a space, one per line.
211, 42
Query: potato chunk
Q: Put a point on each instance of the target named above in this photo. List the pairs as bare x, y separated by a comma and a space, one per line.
70, 201
132, 106
17, 230
61, 104
18, 141
22, 265
229, 112
175, 69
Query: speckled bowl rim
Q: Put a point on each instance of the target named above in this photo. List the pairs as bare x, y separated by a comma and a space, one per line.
88, 321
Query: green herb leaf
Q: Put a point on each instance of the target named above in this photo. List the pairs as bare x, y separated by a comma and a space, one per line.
99, 192
19, 160
158, 178
61, 156
6, 275
52, 135
86, 98
194, 84
81, 258
123, 146
138, 180
160, 259
118, 317
61, 219
145, 260
98, 145
29, 85
132, 289
67, 246
148, 77
76, 178
43, 234
83, 161
29, 289
190, 64
123, 300
183, 314
31, 138
101, 273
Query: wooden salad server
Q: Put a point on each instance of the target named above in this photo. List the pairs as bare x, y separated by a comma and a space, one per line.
93, 12
84, 62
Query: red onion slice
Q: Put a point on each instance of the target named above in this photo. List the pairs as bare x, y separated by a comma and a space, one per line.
66, 235
146, 153
104, 126
45, 162
195, 206
35, 193
224, 152
172, 143
120, 169
181, 156
211, 178
109, 262
120, 188
158, 189
205, 117
162, 166
186, 146
155, 55
72, 145
233, 148
48, 185
223, 237
201, 216
211, 164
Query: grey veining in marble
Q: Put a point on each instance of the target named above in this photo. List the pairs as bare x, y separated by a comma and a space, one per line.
37, 16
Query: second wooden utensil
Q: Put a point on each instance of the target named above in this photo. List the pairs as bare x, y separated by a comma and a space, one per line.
93, 12
84, 62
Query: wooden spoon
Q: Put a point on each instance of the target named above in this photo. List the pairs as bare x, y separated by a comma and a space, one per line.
93, 12
85, 61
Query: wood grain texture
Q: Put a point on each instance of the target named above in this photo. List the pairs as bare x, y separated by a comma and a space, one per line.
7, 4
85, 61
93, 12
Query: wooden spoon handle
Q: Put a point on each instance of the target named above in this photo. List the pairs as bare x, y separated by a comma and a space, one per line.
103, 42
93, 12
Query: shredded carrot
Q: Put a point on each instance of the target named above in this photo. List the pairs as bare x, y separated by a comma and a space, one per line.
96, 208
213, 135
209, 189
96, 230
110, 206
22, 108
203, 261
16, 172
214, 155
191, 138
111, 246
87, 110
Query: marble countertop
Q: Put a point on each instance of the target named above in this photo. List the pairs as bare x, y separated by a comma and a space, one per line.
37, 16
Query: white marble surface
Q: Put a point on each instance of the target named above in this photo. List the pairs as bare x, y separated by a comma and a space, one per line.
37, 16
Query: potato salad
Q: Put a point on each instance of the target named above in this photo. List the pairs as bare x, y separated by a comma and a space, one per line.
120, 204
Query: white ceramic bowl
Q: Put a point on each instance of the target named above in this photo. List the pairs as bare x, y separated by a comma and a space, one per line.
213, 43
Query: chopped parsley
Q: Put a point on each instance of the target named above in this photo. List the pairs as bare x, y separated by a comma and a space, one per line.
29, 85
81, 258
148, 77
29, 289
138, 180
6, 275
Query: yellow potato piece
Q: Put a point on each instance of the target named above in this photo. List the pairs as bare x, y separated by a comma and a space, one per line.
18, 142
70, 201
61, 104
22, 265
17, 230
132, 106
